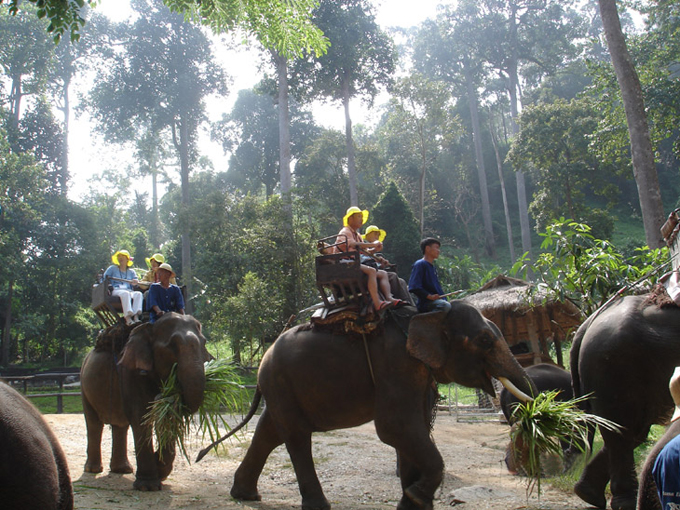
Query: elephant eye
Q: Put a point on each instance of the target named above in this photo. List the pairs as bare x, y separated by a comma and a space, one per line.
486, 341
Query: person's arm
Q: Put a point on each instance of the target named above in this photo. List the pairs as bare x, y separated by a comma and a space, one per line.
180, 300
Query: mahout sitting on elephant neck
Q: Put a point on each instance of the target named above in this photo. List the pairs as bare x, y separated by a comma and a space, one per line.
314, 381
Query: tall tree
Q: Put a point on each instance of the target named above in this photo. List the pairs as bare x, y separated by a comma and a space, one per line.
423, 118
360, 59
26, 59
251, 134
527, 39
447, 49
644, 167
159, 83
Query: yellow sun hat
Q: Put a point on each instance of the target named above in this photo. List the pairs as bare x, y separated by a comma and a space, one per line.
158, 257
353, 210
373, 228
114, 257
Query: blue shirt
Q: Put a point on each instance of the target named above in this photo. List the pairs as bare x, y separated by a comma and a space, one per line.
168, 300
423, 282
115, 272
666, 473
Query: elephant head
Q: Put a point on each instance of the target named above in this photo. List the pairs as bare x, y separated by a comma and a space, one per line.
174, 338
462, 346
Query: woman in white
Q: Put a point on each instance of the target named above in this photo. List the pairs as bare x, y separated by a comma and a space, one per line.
130, 300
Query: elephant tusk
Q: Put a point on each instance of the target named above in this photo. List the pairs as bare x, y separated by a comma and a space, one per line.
515, 390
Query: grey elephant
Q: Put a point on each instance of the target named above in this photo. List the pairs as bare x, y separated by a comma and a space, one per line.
315, 380
119, 392
33, 469
624, 355
546, 377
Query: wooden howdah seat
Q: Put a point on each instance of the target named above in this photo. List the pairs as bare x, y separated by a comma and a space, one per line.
106, 306
339, 278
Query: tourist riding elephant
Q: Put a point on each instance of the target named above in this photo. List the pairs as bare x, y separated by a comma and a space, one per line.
316, 380
119, 392
546, 377
33, 469
624, 354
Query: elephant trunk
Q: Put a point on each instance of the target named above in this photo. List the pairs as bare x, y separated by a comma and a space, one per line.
191, 375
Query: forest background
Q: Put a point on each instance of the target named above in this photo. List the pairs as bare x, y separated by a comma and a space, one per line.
498, 119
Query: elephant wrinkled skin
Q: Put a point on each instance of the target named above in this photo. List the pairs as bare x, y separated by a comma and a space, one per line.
33, 469
624, 354
313, 381
120, 393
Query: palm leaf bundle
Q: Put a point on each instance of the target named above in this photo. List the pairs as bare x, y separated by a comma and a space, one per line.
540, 425
172, 420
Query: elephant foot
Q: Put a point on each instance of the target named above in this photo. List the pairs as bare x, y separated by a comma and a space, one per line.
590, 496
245, 495
123, 468
415, 499
623, 503
147, 485
316, 504
93, 467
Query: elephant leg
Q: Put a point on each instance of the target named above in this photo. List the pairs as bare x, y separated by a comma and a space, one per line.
594, 479
147, 478
299, 447
95, 427
624, 482
265, 439
119, 458
421, 471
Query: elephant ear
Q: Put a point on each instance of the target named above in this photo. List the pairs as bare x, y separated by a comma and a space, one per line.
426, 338
138, 353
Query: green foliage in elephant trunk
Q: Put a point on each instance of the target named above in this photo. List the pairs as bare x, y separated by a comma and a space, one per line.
542, 424
173, 419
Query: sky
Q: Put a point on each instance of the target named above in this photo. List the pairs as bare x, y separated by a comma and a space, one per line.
88, 157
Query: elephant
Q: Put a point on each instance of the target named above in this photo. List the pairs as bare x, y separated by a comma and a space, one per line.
546, 377
624, 354
34, 473
119, 392
648, 497
316, 380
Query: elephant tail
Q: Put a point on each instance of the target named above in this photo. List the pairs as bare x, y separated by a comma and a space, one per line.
253, 408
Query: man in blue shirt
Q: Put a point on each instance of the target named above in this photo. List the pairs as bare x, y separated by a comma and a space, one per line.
666, 470
164, 296
424, 282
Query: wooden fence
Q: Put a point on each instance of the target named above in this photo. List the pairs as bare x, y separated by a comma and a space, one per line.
23, 382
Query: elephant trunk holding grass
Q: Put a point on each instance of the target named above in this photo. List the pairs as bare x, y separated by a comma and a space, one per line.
34, 473
314, 380
119, 392
624, 355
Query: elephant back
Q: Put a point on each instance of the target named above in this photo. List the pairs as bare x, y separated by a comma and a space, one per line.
112, 339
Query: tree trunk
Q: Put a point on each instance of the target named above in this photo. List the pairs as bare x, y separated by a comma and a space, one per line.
506, 209
155, 227
186, 223
284, 129
63, 178
489, 243
514, 108
351, 164
8, 324
644, 168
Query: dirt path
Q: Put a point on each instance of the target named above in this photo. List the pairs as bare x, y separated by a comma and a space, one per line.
356, 470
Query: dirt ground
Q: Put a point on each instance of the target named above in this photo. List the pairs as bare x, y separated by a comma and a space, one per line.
356, 470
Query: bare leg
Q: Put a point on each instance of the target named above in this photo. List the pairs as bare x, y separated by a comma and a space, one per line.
372, 285
384, 284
